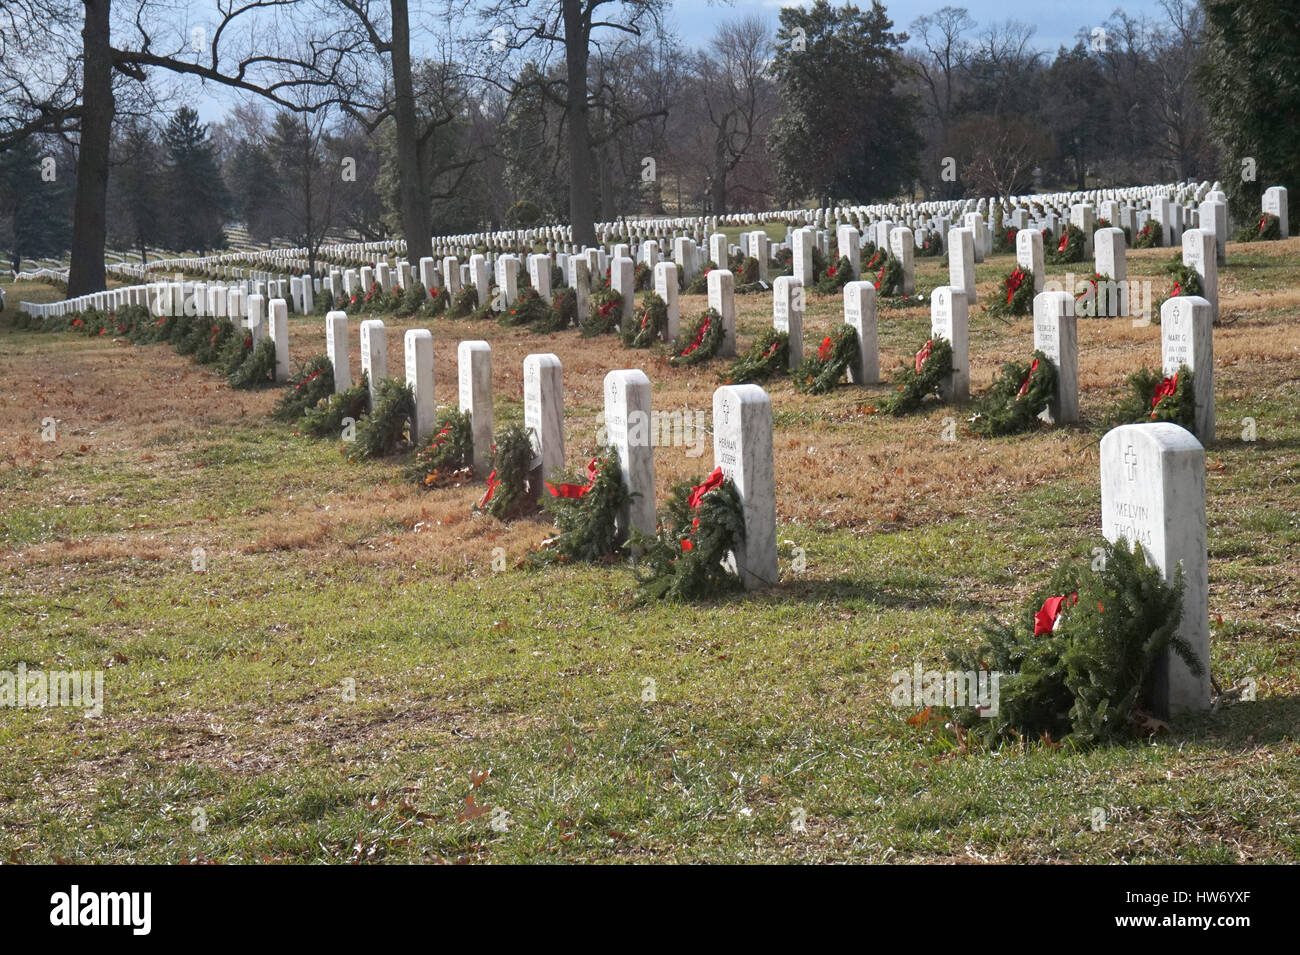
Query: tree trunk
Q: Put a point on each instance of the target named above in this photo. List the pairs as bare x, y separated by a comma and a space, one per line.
719, 184
581, 206
415, 215
90, 204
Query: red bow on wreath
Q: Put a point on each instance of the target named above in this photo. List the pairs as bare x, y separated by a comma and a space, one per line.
824, 349
1047, 616
699, 337
713, 481
492, 485
923, 354
1178, 290
1065, 240
1014, 281
1024, 387
1167, 387
576, 490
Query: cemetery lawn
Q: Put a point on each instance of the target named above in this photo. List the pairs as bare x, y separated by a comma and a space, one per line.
227, 734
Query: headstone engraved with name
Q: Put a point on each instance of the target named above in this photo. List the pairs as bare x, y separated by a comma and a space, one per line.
742, 447
787, 314
336, 348
1187, 338
474, 379
544, 413
860, 315
627, 430
1153, 494
1056, 334
949, 319
418, 347
374, 354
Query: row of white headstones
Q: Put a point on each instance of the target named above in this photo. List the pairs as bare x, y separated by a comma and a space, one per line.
1153, 475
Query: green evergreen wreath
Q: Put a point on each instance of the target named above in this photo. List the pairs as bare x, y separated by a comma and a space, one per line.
642, 278
415, 298
562, 313
209, 352
1078, 660
326, 419
1004, 241
889, 280
700, 284
309, 384
1187, 281
381, 432
438, 302
606, 310
1017, 398
1017, 294
509, 491
699, 527
1149, 236
529, 309
838, 353
1266, 229
586, 513
649, 323
449, 453
931, 245
747, 274
699, 342
835, 277
1152, 397
767, 357
464, 302
257, 370
1071, 248
920, 380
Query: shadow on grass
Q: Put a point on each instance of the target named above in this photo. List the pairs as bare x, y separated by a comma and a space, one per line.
1244, 726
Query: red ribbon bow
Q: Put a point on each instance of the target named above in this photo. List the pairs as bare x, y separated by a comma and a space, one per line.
1024, 387
824, 349
1050, 612
1167, 387
713, 481
1065, 240
1014, 281
577, 490
492, 485
923, 354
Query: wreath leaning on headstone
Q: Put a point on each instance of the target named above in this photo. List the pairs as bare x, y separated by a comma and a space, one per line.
700, 525
1017, 398
699, 342
837, 353
1148, 236
649, 323
1078, 659
463, 303
509, 491
1017, 294
606, 309
325, 420
1071, 248
1153, 397
1187, 281
385, 428
448, 457
835, 277
1266, 229
920, 380
889, 279
312, 382
767, 357
587, 514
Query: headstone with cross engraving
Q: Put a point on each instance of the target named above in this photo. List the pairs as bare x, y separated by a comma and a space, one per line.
544, 413
1187, 338
474, 380
949, 319
742, 447
787, 314
627, 430
860, 314
1153, 494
